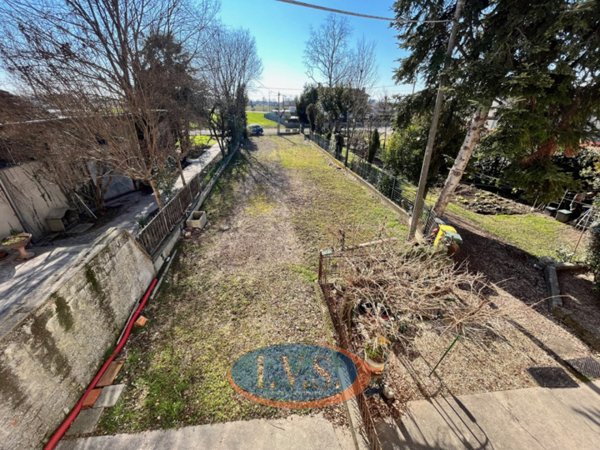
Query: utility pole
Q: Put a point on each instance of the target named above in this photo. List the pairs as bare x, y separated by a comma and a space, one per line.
278, 113
386, 119
419, 200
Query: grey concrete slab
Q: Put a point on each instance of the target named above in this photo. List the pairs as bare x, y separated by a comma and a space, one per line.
85, 422
536, 418
109, 396
292, 433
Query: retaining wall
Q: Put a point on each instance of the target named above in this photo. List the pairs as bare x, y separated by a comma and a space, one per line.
47, 361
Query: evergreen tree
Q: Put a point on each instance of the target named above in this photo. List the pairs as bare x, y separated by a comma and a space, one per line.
374, 145
540, 57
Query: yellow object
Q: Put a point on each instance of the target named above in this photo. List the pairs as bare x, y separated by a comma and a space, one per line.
446, 235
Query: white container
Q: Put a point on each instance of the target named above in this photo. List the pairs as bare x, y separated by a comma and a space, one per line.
196, 220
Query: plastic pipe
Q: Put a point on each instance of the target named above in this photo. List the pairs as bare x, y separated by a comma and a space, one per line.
64, 426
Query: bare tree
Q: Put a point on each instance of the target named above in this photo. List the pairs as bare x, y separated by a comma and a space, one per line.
85, 59
362, 73
361, 77
327, 55
29, 133
230, 63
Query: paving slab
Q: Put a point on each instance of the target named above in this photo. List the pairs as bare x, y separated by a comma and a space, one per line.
109, 396
86, 422
292, 433
536, 418
111, 373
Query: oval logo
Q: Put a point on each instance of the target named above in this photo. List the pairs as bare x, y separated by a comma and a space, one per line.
299, 375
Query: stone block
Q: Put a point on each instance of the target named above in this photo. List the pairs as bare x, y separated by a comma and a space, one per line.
109, 396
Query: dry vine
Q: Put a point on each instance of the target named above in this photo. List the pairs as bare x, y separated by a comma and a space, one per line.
399, 291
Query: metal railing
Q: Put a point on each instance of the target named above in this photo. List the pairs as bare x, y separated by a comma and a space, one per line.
152, 235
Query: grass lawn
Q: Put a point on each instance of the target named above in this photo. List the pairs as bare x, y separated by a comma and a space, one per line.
245, 282
534, 233
202, 140
258, 118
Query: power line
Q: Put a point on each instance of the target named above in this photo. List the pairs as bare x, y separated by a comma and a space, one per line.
356, 14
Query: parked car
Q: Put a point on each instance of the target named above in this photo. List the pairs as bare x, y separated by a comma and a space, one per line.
256, 130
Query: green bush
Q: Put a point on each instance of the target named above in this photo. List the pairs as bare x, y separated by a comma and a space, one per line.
594, 253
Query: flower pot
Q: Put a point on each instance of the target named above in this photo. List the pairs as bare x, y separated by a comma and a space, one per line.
375, 367
18, 242
196, 220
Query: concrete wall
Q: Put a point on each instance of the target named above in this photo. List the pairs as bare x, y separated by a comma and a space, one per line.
274, 117
8, 220
49, 358
34, 197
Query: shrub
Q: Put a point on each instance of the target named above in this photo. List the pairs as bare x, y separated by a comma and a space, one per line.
594, 253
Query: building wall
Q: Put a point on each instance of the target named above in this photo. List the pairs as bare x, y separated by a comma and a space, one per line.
8, 220
48, 359
34, 197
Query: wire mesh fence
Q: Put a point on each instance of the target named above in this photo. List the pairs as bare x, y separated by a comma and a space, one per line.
392, 186
330, 267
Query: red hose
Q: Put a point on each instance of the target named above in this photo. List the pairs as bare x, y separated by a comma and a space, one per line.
64, 426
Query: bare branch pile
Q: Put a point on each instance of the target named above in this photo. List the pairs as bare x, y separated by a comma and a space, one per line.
398, 291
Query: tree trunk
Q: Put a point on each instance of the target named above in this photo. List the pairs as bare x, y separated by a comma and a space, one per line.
156, 194
472, 138
180, 171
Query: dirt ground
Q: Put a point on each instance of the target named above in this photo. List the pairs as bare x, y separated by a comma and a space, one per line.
582, 302
535, 338
246, 281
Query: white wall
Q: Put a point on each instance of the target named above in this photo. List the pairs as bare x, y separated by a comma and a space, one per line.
8, 220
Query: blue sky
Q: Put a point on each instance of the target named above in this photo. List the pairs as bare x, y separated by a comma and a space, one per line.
281, 31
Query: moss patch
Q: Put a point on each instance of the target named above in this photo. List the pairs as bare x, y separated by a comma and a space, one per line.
90, 277
63, 312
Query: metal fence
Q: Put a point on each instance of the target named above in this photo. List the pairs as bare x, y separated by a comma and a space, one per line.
179, 207
329, 265
392, 186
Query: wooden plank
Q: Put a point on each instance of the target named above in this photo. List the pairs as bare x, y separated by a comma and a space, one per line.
111, 373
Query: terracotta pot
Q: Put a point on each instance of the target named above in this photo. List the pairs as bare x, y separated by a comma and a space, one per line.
19, 244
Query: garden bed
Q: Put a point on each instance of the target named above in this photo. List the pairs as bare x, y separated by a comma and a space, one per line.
484, 202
